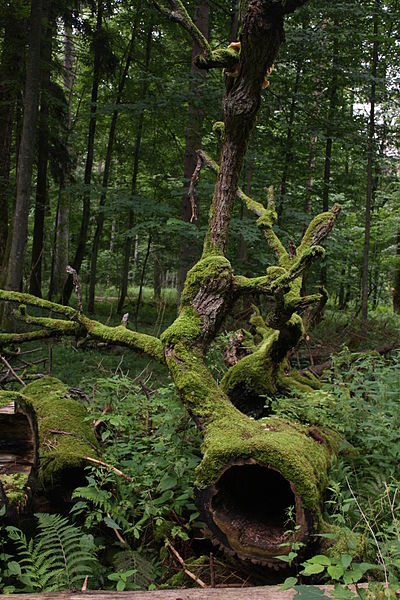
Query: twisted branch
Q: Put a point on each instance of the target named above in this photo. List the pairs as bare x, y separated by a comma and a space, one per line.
78, 325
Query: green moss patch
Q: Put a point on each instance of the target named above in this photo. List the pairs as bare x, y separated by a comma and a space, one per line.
57, 412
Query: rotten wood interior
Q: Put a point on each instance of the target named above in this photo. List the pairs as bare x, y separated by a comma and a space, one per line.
18, 449
247, 511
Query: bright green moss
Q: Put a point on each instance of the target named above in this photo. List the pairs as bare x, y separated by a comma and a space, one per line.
323, 220
219, 128
14, 486
206, 269
7, 397
126, 337
56, 411
255, 372
186, 328
272, 442
21, 298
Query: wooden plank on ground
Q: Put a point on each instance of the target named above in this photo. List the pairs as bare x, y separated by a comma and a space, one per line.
245, 593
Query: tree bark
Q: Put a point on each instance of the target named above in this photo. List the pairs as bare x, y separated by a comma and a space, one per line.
83, 233
332, 94
128, 239
262, 35
35, 285
370, 162
61, 229
396, 277
189, 252
106, 172
19, 230
12, 60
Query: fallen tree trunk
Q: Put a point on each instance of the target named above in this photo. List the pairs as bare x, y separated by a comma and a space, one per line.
261, 485
44, 439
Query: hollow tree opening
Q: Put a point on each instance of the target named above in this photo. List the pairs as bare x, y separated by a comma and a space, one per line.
255, 501
18, 451
17, 444
252, 509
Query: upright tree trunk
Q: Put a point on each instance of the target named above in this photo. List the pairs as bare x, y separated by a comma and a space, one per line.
19, 230
61, 229
188, 252
12, 60
106, 172
83, 233
140, 294
157, 276
329, 141
368, 200
234, 28
396, 277
288, 144
128, 240
35, 284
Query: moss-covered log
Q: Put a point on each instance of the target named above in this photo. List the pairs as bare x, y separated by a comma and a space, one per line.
44, 439
66, 437
260, 486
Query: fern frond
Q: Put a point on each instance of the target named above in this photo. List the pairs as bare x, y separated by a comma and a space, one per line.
55, 559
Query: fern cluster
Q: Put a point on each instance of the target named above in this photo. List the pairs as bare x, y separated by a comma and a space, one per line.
59, 557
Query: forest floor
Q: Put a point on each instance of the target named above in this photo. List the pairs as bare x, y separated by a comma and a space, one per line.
100, 370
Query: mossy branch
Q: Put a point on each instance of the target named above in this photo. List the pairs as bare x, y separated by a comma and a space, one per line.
267, 217
20, 298
319, 228
223, 58
78, 324
56, 325
179, 14
297, 268
250, 285
27, 336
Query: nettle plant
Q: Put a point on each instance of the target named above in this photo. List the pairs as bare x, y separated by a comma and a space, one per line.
251, 470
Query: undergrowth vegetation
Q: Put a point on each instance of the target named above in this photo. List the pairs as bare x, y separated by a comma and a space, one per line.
139, 501
360, 400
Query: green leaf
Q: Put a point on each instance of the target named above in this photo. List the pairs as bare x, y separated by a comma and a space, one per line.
346, 559
311, 569
289, 583
320, 559
283, 557
111, 523
167, 483
14, 568
121, 585
335, 571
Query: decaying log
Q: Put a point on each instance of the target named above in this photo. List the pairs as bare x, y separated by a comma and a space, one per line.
45, 438
261, 484
19, 447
